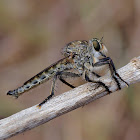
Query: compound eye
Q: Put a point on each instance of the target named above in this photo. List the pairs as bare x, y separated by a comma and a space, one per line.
96, 45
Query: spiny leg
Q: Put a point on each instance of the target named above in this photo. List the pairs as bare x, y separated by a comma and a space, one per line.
51, 94
96, 74
98, 82
114, 69
117, 82
64, 75
65, 82
108, 60
60, 76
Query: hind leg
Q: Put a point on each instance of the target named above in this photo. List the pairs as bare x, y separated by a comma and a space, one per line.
51, 93
59, 75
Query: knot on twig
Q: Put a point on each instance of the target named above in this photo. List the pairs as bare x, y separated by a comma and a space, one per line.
136, 62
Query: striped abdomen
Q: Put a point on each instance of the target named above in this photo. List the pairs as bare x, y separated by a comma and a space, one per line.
43, 76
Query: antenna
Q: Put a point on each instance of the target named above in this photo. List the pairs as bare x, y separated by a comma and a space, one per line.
101, 39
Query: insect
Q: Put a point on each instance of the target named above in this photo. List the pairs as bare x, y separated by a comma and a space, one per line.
85, 57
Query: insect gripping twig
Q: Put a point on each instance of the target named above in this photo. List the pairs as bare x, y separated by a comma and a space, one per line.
66, 102
89, 59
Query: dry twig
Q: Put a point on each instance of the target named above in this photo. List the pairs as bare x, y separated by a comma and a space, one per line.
59, 105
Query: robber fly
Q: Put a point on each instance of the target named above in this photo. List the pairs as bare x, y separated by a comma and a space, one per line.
85, 57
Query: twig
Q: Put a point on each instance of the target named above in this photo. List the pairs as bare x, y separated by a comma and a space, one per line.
66, 102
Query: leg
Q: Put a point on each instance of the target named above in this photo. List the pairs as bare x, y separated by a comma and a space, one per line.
112, 67
64, 75
60, 76
108, 60
98, 82
96, 74
65, 82
52, 92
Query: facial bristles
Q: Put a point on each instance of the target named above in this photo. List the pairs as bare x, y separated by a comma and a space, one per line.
104, 49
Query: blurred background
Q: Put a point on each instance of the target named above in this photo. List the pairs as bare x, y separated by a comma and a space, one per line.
32, 35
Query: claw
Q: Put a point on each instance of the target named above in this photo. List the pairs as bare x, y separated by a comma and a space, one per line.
38, 106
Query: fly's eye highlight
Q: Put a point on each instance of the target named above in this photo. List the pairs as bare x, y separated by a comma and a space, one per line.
96, 45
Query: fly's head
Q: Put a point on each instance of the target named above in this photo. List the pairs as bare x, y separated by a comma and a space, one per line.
97, 48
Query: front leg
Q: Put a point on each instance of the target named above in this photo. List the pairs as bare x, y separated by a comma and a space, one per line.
108, 60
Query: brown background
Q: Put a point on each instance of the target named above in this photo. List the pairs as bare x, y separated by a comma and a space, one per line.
32, 34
